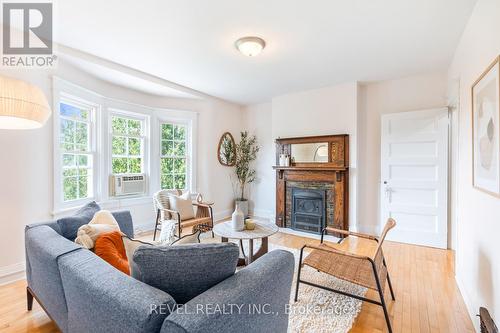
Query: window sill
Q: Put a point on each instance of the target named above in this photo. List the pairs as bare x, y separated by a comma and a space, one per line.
113, 203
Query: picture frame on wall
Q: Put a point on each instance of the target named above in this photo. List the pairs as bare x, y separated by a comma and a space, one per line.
486, 130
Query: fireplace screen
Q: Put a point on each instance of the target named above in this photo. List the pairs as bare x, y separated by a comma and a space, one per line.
308, 210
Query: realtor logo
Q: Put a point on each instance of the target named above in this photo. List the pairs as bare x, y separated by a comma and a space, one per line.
27, 34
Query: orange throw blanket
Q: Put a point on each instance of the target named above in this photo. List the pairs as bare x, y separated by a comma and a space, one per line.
109, 247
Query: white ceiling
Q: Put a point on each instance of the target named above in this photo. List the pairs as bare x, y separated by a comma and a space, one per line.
310, 44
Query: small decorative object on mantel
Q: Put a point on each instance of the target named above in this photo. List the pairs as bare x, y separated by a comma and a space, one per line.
226, 151
486, 130
238, 219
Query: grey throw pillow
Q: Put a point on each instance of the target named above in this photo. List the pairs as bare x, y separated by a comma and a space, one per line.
185, 271
69, 225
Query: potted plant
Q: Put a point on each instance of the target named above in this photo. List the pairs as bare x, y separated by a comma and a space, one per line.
246, 153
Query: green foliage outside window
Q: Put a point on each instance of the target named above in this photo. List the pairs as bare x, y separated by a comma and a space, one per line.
75, 145
173, 156
126, 145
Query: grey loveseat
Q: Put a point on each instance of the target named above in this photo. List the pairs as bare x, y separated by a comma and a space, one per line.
83, 293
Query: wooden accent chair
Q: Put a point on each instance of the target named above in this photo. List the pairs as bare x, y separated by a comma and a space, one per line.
204, 212
357, 258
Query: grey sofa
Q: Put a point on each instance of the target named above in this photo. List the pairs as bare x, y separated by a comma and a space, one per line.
83, 293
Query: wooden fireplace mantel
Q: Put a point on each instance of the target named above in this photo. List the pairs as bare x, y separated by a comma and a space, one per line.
334, 172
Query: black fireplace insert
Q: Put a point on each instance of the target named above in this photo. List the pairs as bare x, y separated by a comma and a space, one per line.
308, 210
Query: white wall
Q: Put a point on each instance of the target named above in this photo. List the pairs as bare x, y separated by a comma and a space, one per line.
330, 110
478, 264
375, 99
258, 121
349, 108
27, 161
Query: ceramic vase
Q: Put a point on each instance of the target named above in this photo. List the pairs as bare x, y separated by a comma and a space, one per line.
238, 219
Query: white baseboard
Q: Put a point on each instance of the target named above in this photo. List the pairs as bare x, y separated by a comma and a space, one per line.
12, 273
471, 308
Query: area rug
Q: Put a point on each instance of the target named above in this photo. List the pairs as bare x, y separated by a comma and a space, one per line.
317, 310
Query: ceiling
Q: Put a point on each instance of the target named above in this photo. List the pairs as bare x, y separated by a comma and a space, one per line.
310, 44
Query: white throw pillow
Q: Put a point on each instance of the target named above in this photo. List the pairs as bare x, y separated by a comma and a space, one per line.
102, 222
130, 246
167, 233
182, 204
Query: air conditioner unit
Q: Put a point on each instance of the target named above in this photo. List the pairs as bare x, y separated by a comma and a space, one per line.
128, 184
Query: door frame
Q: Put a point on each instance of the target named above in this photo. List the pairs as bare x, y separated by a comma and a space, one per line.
451, 163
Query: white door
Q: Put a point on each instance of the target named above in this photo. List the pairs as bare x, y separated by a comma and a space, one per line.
414, 175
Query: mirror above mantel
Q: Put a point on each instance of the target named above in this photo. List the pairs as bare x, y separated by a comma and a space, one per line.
309, 152
327, 151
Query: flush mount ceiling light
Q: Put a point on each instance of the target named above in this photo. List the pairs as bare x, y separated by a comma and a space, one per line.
250, 46
22, 105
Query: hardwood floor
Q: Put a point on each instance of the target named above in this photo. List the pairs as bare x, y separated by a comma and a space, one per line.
427, 296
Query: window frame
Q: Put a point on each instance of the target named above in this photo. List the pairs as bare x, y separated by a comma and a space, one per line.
94, 111
101, 146
144, 119
187, 155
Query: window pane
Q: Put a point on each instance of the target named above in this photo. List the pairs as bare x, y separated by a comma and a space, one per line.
167, 148
67, 134
167, 182
68, 160
180, 182
180, 165
118, 145
83, 172
119, 165
167, 131
70, 188
179, 149
72, 111
83, 161
119, 125
134, 147
70, 172
179, 132
81, 136
134, 127
167, 165
83, 187
135, 165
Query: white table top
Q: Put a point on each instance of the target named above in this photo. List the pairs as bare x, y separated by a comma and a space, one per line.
262, 229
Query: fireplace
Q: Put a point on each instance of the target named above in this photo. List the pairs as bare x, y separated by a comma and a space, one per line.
313, 193
308, 210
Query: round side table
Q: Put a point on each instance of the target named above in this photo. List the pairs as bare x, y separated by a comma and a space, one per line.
262, 231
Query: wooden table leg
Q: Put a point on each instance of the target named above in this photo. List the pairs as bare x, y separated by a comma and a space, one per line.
249, 258
264, 248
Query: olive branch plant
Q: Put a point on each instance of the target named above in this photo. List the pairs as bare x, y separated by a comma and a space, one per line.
246, 153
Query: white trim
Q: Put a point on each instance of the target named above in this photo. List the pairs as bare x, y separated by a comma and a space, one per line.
11, 273
63, 92
471, 308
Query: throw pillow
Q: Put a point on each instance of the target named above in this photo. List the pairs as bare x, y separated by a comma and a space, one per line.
186, 271
130, 246
167, 233
69, 225
182, 204
102, 222
110, 248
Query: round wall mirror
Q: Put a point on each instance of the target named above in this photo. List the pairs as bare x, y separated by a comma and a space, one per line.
226, 152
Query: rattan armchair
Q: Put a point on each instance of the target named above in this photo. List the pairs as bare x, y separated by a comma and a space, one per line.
204, 212
358, 258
